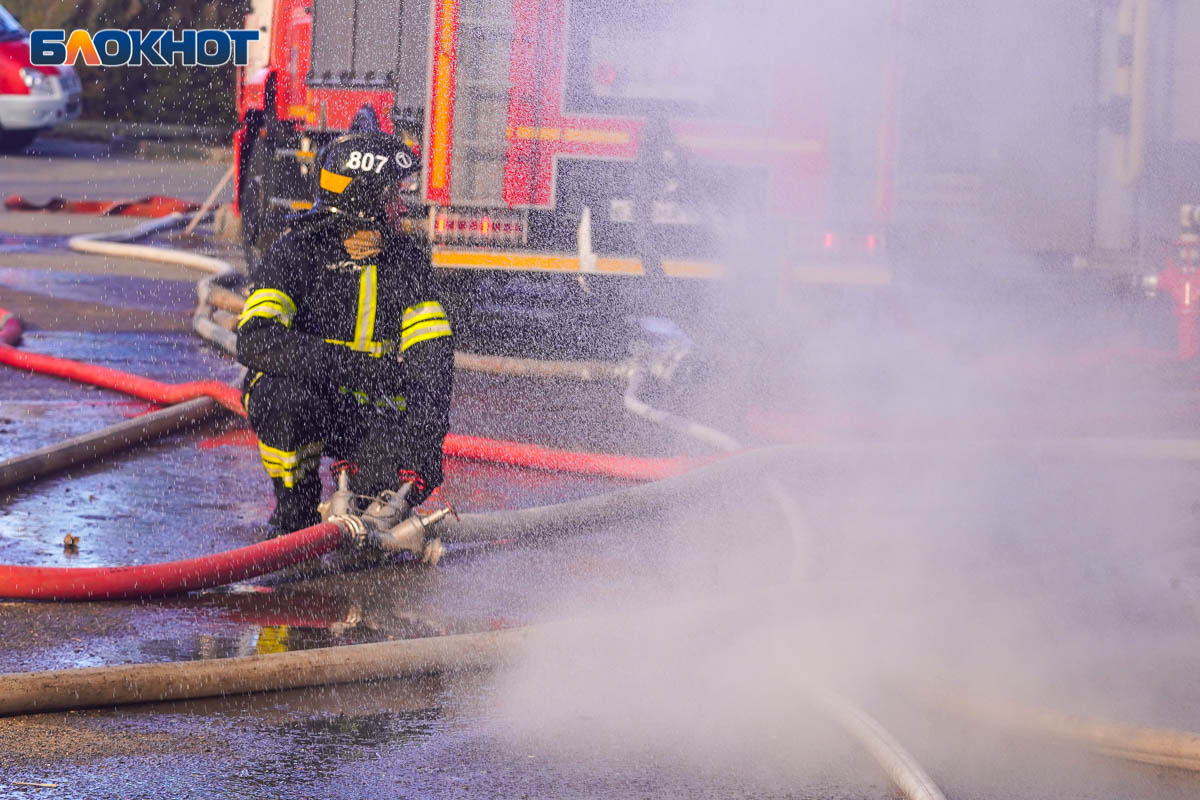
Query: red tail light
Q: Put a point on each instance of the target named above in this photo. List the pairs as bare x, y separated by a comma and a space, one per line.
461, 227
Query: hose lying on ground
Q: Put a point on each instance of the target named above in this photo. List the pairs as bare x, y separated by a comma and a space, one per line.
90, 446
91, 687
134, 385
903, 770
28, 692
171, 577
456, 445
529, 525
212, 296
118, 244
539, 368
532, 456
154, 205
698, 431
738, 474
23, 693
1165, 748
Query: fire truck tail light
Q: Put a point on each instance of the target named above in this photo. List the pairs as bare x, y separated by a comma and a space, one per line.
829, 241
462, 227
872, 242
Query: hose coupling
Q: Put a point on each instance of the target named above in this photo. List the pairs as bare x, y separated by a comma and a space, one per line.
410, 535
354, 527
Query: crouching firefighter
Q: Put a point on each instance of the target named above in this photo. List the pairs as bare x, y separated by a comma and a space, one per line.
348, 347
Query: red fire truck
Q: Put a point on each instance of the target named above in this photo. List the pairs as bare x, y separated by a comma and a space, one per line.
616, 144
655, 142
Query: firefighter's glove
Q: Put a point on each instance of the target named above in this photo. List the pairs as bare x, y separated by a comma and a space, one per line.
341, 365
364, 374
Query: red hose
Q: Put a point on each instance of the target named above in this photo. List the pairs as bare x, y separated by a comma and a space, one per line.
154, 205
474, 448
171, 577
135, 385
533, 456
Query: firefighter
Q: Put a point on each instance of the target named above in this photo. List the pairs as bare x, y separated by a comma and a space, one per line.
348, 347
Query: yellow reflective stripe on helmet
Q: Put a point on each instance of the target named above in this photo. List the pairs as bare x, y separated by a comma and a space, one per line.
332, 182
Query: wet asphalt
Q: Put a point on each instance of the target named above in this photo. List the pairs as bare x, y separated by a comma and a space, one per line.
955, 550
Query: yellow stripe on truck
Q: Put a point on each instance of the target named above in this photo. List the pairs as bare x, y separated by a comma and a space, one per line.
842, 275
530, 262
692, 269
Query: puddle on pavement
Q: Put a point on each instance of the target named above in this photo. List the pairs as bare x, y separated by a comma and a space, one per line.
145, 294
191, 494
18, 243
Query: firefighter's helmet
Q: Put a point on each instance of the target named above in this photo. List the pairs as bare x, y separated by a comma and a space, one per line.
362, 174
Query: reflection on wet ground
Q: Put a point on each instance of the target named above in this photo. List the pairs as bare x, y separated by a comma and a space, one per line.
15, 243
420, 739
188, 495
1025, 532
138, 293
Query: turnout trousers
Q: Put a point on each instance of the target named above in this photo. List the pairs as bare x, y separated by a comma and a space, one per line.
298, 421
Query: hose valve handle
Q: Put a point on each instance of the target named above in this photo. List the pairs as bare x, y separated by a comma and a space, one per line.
341, 502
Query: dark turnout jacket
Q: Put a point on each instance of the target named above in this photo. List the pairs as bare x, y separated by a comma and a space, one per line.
373, 329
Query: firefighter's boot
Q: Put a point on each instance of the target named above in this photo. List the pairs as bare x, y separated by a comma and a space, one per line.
296, 505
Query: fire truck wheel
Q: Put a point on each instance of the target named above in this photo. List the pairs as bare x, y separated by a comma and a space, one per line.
16, 141
261, 223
